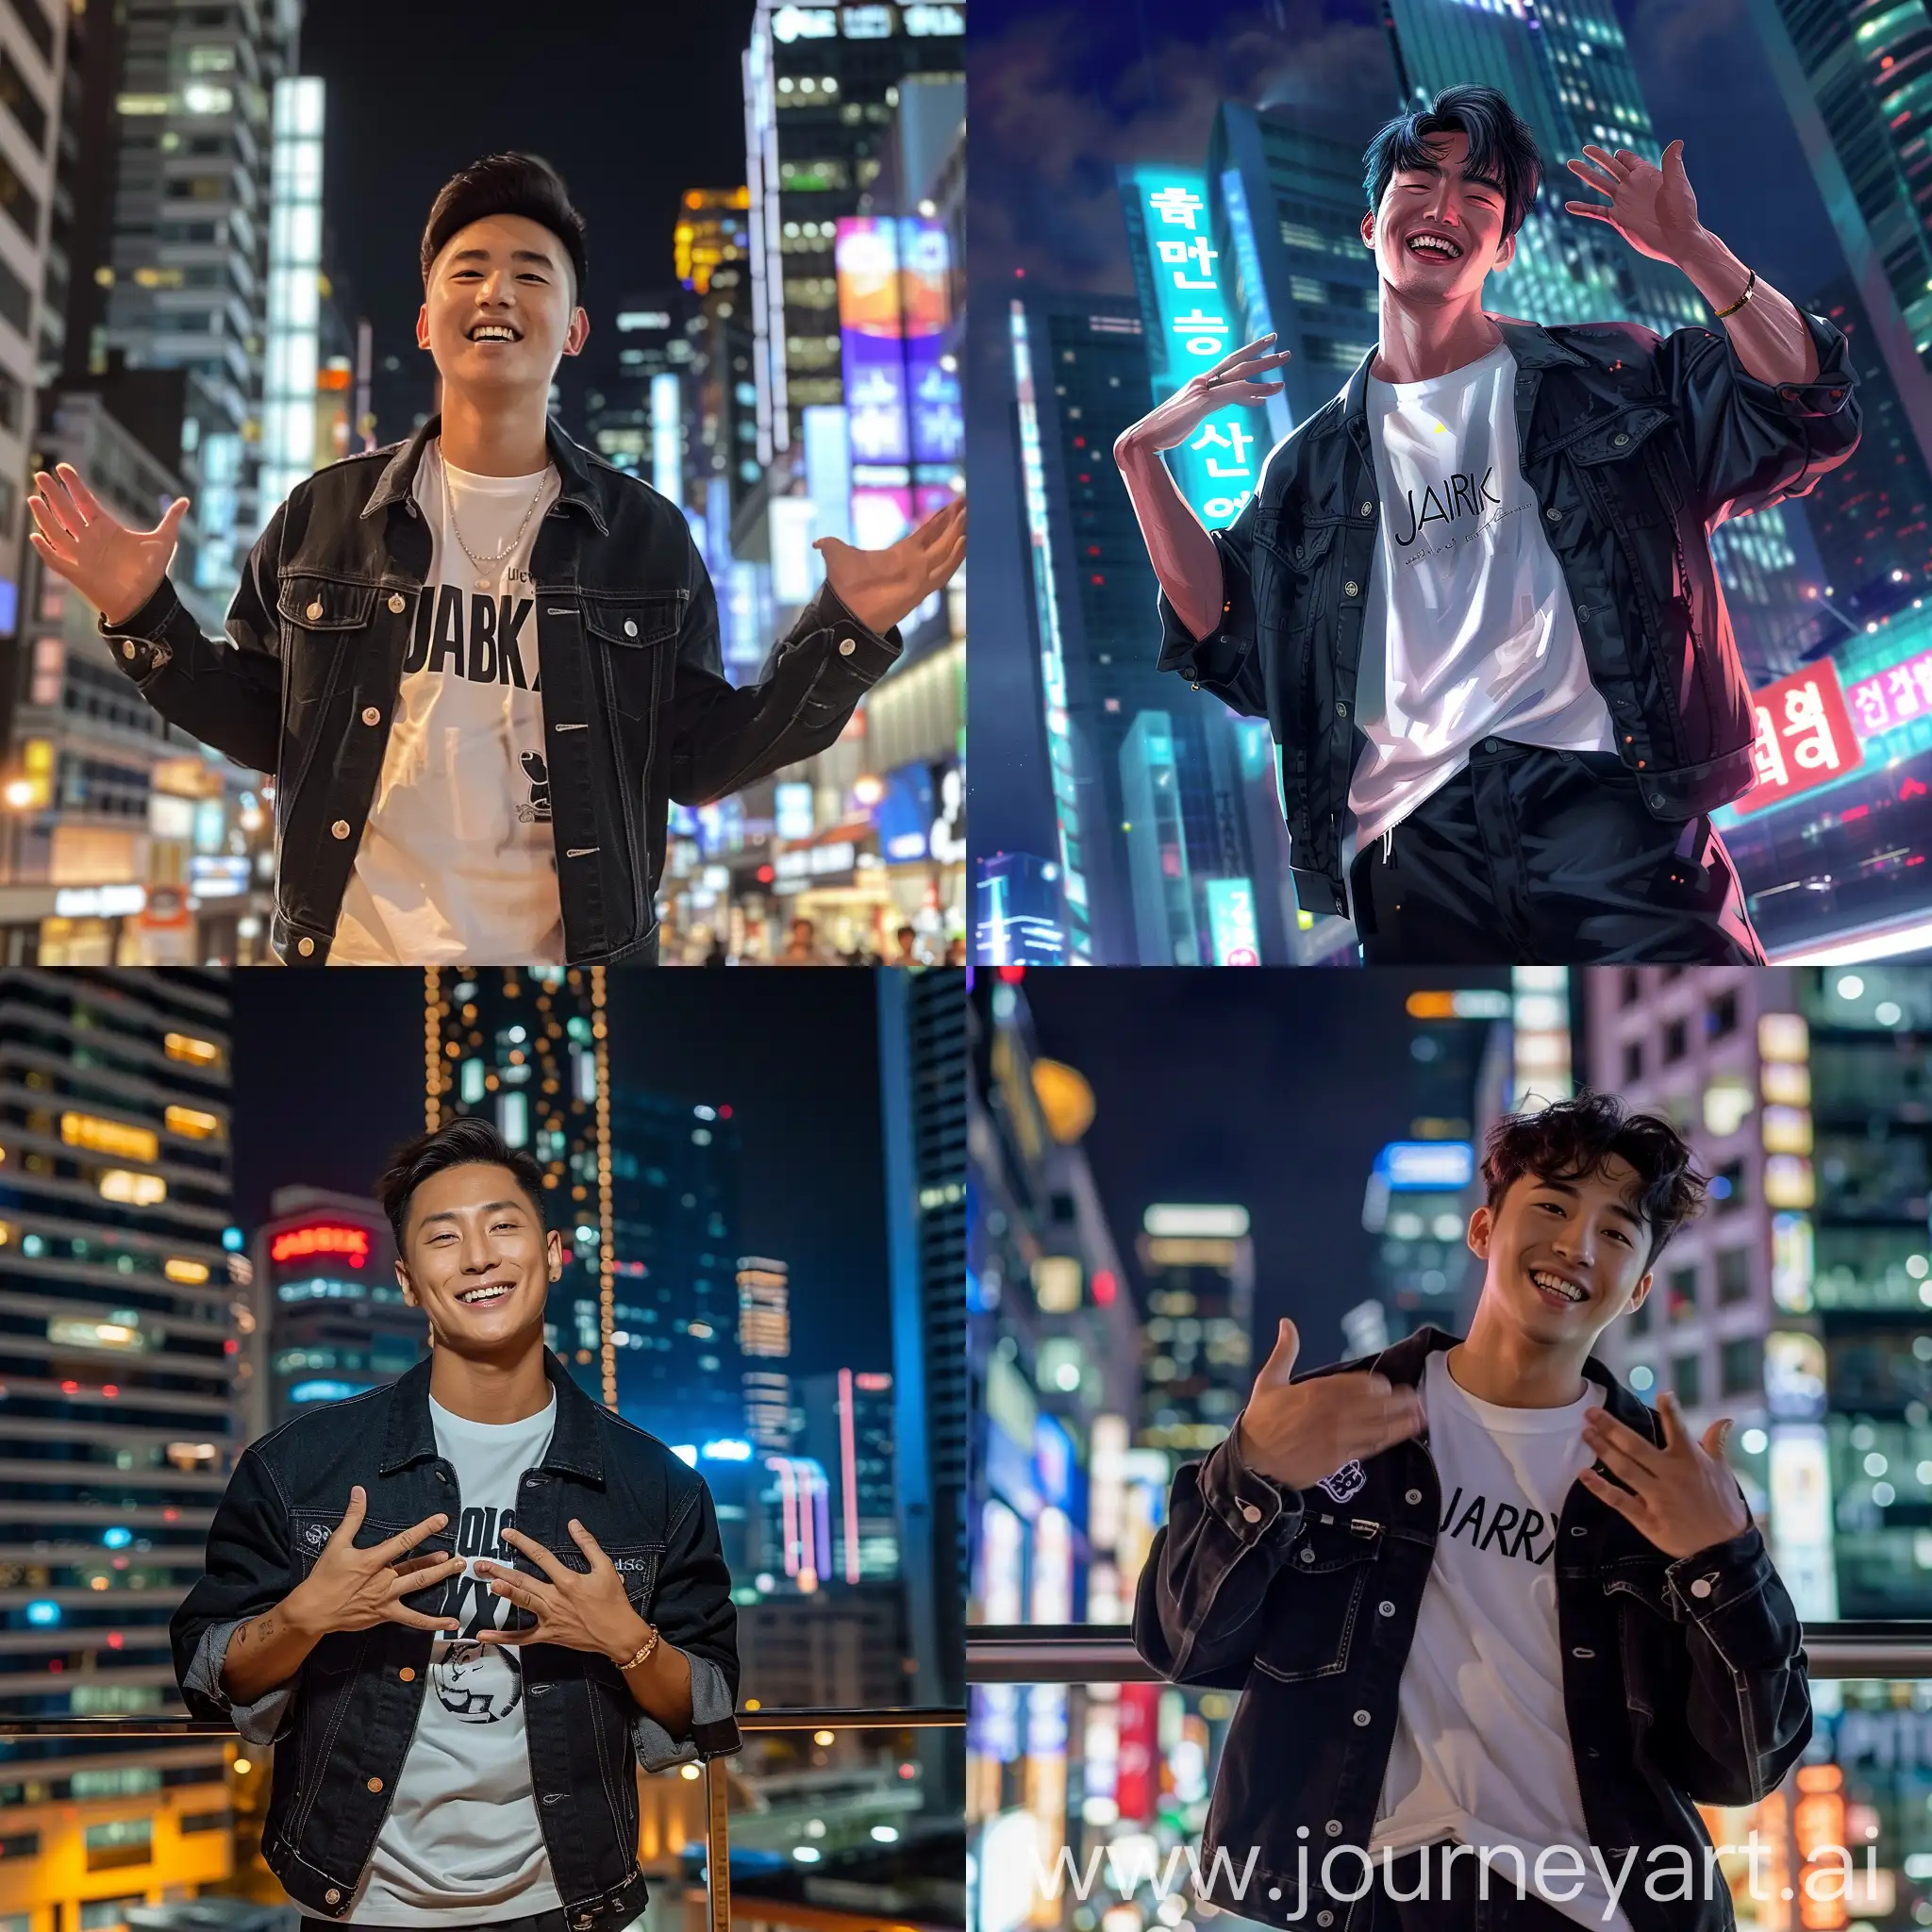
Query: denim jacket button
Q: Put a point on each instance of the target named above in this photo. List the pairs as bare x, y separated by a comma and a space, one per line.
847, 645
305, 947
1333, 1828
1384, 1608
1250, 1512
630, 626
1308, 1555
1555, 516
314, 609
1363, 1717
376, 1784
371, 715
397, 603
340, 829
127, 647
1411, 1495
1701, 1588
1325, 1917
332, 1894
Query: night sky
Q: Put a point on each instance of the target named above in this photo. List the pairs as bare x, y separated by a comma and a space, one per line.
632, 103
329, 1078
1063, 90
1275, 1090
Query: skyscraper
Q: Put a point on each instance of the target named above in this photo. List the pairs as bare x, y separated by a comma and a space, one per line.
527, 1047
187, 268
132, 1369
764, 1335
674, 1178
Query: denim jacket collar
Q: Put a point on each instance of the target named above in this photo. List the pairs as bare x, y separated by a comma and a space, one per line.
578, 490
574, 1448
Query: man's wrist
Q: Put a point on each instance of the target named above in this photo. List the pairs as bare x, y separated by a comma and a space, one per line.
297, 1612
630, 1642
1715, 272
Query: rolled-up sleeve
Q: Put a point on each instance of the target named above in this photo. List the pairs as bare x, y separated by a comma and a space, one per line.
1753, 444
249, 1569
1225, 661
691, 1608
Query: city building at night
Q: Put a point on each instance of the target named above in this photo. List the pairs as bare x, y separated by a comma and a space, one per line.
188, 261
325, 1286
133, 1360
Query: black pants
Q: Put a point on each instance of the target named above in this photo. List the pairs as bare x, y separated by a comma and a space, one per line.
1537, 858
1464, 1909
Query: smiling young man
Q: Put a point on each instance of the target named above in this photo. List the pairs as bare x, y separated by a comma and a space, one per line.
480, 664
1473, 595
1498, 1626
470, 1602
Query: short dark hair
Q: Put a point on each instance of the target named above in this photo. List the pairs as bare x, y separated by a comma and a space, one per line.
1575, 1138
464, 1141
505, 184
1500, 147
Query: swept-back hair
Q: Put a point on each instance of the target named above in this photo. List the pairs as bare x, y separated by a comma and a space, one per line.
465, 1141
1500, 147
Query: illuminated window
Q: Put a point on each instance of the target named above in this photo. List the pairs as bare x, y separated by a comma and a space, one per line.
193, 1123
132, 1189
197, 1053
191, 1273
110, 1136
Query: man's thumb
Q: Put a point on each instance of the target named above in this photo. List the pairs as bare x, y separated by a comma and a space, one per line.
1717, 1436
171, 519
1279, 1367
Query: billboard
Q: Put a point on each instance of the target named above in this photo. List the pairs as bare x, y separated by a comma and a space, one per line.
894, 307
1804, 736
1232, 923
1190, 326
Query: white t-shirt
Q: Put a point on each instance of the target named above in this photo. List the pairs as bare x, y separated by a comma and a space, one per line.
457, 861
1482, 1749
460, 1844
1468, 630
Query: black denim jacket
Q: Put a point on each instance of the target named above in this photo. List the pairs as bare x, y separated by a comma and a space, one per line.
342, 1727
636, 709
1633, 447
1682, 1680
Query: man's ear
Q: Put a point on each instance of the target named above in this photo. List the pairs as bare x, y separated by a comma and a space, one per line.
553, 1253
404, 1283
577, 334
1507, 253
1642, 1291
422, 327
1369, 227
1482, 1225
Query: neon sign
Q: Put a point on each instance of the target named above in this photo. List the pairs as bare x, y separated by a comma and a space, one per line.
294, 1244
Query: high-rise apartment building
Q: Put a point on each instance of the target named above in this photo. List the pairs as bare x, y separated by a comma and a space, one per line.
188, 266
764, 1336
130, 1355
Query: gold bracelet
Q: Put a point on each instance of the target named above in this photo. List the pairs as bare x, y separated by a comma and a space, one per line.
1749, 285
650, 1644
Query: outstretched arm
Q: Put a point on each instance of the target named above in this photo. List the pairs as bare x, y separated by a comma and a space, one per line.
1181, 551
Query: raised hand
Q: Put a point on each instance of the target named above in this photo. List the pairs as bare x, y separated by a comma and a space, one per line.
351, 1589
1235, 378
1683, 1498
1298, 1432
117, 570
579, 1609
882, 587
1653, 208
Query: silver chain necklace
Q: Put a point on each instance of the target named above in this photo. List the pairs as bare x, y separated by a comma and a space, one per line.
488, 568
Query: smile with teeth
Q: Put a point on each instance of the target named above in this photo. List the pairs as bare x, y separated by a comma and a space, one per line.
495, 1293
1555, 1284
492, 332
1434, 244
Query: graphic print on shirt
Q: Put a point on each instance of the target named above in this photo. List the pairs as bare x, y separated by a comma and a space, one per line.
536, 808
488, 649
1349, 1480
1509, 1529
478, 1683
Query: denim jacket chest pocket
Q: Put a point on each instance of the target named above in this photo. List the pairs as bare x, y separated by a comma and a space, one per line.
635, 632
1315, 1610
311, 1534
1289, 558
317, 611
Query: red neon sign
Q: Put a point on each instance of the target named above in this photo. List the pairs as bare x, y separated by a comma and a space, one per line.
1805, 736
323, 1238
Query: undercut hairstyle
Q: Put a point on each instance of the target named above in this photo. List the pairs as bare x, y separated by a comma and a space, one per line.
1502, 150
464, 1141
1577, 1139
505, 184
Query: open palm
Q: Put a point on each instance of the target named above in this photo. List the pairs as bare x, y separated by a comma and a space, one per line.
882, 587
117, 570
1655, 209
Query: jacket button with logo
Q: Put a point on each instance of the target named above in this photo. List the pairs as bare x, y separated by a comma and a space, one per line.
1555, 516
1622, 437
1341, 711
1350, 586
1368, 509
305, 947
376, 1784
1298, 553
406, 1675
396, 602
332, 1894
127, 647
371, 715
1308, 1555
1362, 1717
340, 829
1411, 1495
847, 645
314, 609
1384, 1608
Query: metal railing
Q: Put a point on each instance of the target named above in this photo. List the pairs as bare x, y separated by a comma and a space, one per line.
1105, 1654
716, 1779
